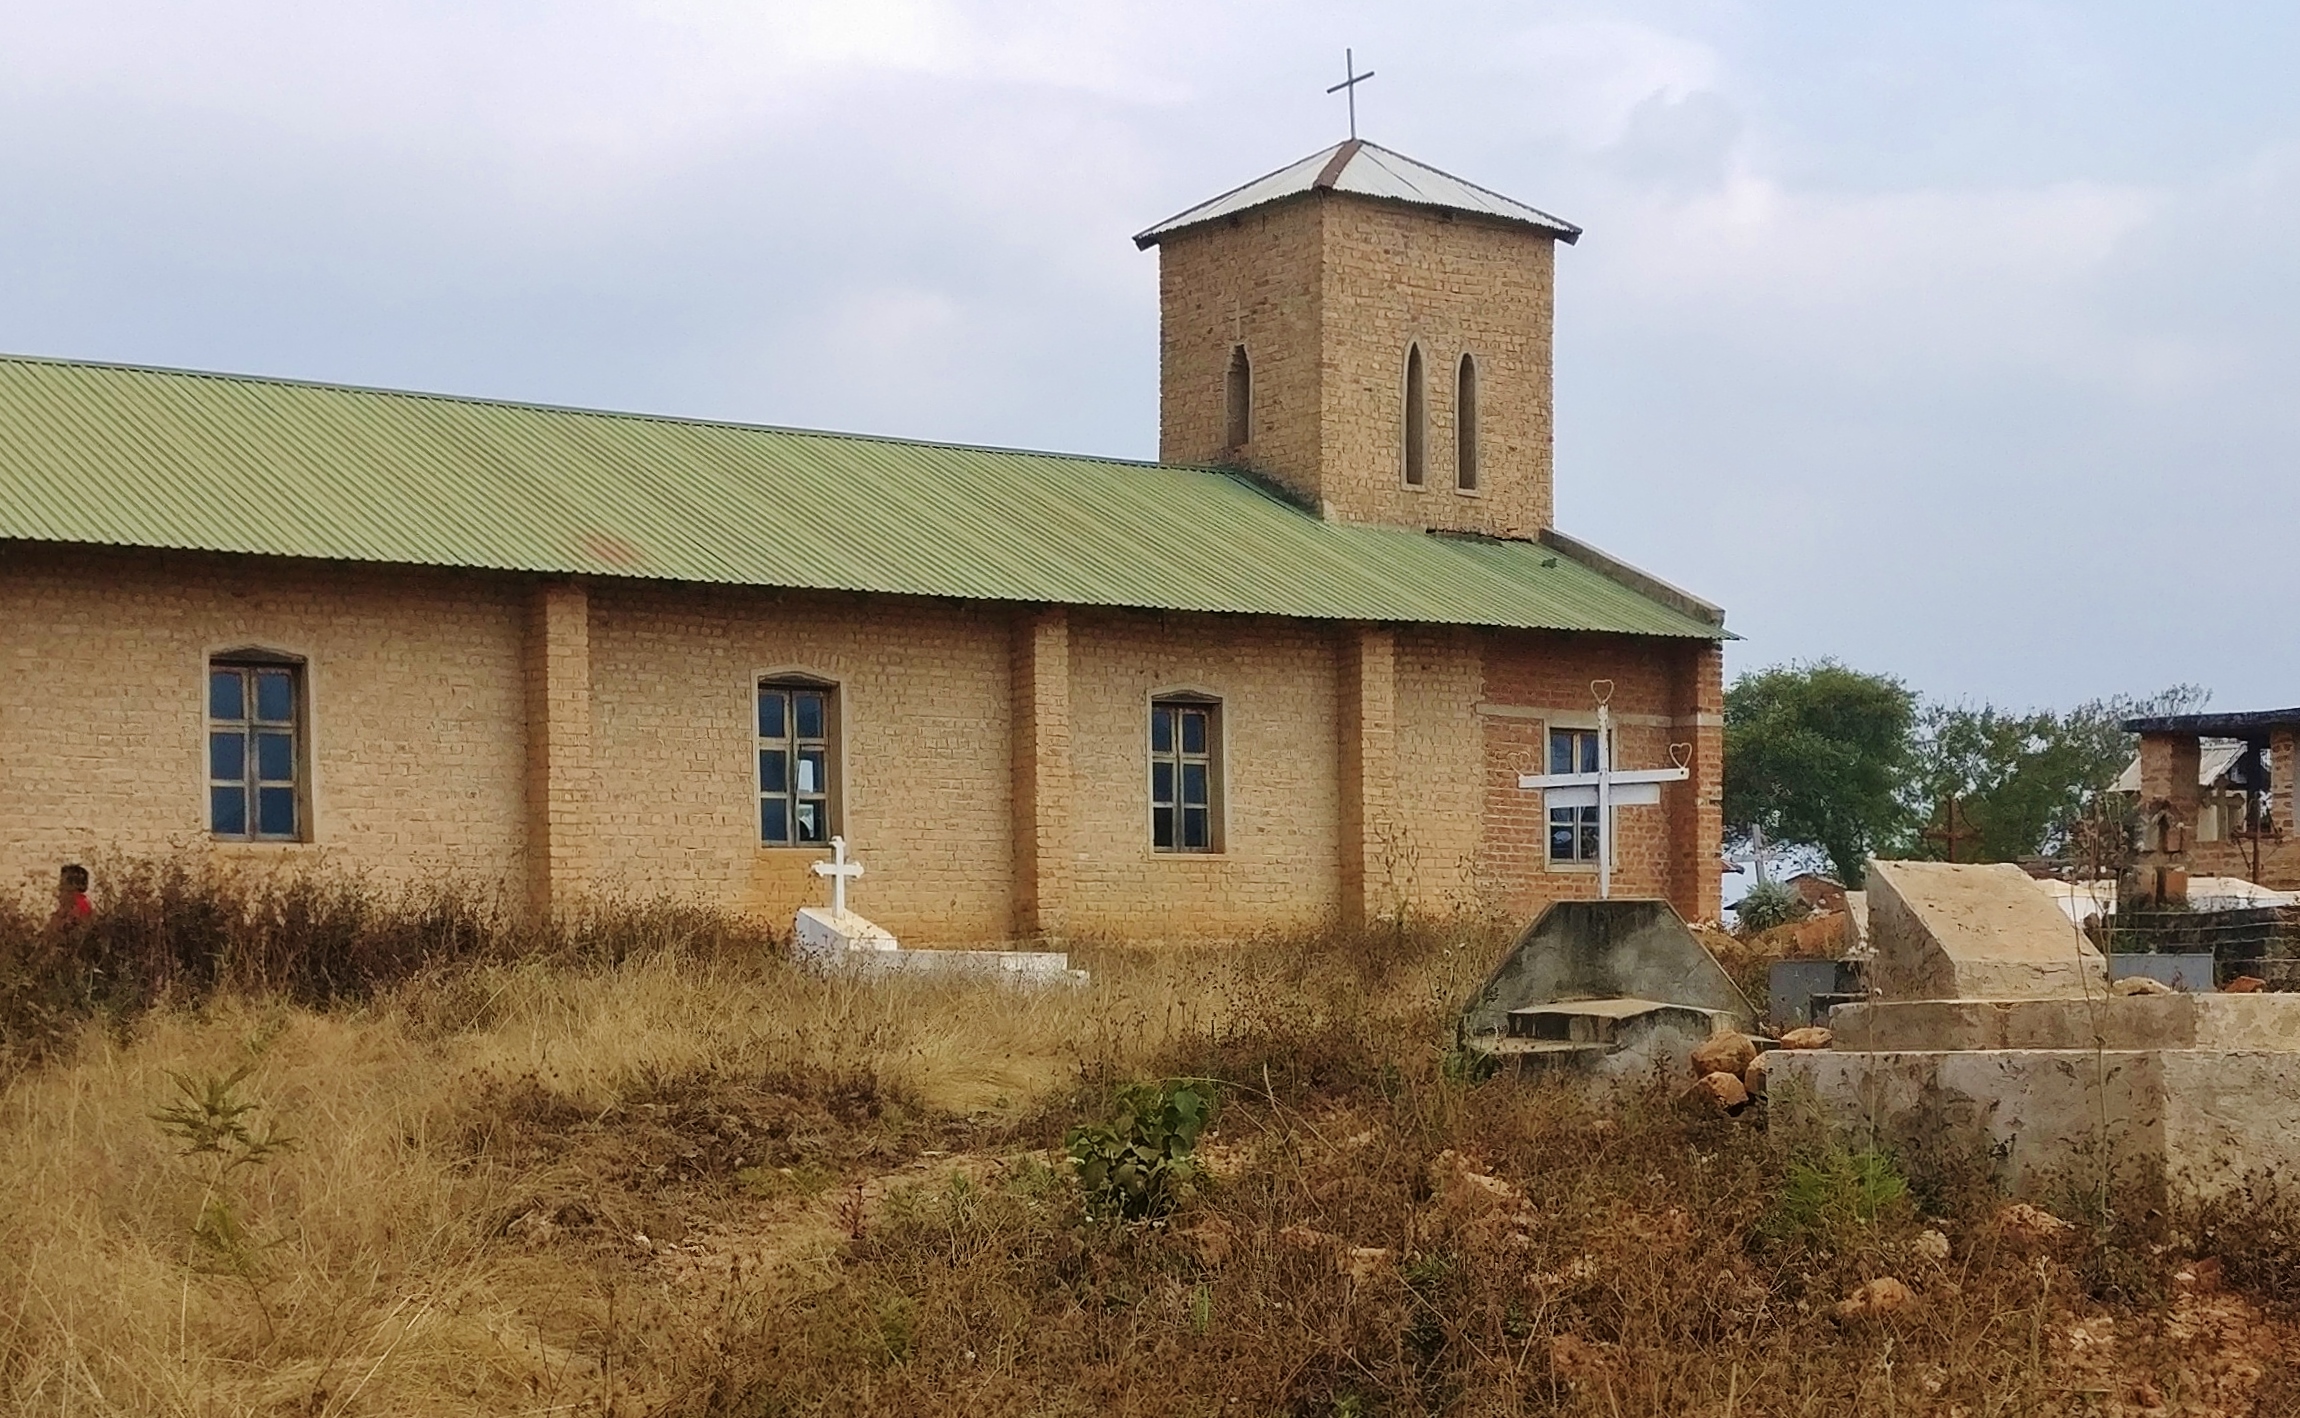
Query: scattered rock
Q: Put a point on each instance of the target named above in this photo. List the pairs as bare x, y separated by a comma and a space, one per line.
1725, 1091
1213, 1241
1931, 1245
1362, 1263
2200, 1277
1578, 1361
1723, 1053
1881, 1296
1666, 1234
2244, 985
2029, 1225
1458, 1181
1812, 1036
1308, 1238
1753, 1077
2140, 985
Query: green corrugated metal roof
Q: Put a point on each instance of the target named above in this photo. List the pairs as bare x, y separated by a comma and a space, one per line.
125, 456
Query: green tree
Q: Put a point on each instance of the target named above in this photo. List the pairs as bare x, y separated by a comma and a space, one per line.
2022, 781
1815, 755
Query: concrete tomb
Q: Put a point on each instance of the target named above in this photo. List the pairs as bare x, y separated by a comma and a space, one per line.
1995, 1030
837, 939
1942, 930
1592, 980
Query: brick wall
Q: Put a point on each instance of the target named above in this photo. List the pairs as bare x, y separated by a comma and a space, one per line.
1664, 694
1276, 680
435, 697
1394, 276
924, 749
1326, 293
1253, 282
416, 747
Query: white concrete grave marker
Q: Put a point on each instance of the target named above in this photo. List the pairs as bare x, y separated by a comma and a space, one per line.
1605, 789
840, 871
826, 936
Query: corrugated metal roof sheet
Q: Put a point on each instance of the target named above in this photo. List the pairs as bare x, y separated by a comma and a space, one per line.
157, 458
1369, 171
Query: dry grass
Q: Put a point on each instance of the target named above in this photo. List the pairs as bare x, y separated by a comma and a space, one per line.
848, 1204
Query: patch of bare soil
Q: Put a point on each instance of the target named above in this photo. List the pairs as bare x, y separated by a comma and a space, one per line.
2210, 1353
692, 1156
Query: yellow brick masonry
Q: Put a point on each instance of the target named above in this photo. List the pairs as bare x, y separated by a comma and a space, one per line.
417, 746
556, 679
1042, 773
573, 739
1326, 292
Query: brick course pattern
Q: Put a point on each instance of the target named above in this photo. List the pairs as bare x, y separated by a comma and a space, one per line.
572, 740
1326, 293
415, 736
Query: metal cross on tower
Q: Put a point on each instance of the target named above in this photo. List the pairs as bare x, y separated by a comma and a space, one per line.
1605, 789
840, 871
1351, 78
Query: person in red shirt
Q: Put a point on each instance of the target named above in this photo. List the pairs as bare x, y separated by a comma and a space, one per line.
72, 898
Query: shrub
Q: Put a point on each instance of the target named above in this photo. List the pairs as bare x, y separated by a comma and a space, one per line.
1770, 904
1137, 1165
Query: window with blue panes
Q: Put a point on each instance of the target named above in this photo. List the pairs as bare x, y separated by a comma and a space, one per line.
255, 752
1185, 775
797, 801
1573, 830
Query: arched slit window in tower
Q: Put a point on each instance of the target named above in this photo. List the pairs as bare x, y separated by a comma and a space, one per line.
1465, 426
1238, 405
1417, 418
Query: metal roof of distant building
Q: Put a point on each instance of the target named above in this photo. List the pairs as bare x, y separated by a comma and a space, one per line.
134, 457
1366, 170
2250, 724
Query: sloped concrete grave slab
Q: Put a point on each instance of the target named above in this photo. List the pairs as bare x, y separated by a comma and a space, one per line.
1942, 930
835, 939
1607, 987
1998, 1035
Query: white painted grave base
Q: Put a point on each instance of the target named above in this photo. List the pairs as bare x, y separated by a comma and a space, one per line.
831, 940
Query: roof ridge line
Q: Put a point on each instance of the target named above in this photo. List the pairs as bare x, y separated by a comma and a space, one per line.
539, 406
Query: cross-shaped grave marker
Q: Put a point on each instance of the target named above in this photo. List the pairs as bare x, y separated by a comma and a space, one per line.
1607, 788
840, 871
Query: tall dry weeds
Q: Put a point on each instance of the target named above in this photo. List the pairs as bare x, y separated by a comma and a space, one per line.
652, 1168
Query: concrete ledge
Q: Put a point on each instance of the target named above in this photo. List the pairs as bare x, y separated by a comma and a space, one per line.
2185, 1124
2267, 1022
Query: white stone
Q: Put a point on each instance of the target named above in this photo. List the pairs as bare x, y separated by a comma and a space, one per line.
823, 936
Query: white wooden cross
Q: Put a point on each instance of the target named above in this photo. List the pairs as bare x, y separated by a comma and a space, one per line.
1605, 789
840, 871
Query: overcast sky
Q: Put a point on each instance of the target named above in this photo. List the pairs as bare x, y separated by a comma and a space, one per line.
1954, 340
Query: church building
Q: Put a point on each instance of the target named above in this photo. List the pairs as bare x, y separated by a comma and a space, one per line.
1292, 671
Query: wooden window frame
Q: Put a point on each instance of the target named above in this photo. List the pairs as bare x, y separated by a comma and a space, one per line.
780, 761
1170, 800
251, 726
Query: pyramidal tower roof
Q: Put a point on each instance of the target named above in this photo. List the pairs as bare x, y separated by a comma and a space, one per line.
1365, 170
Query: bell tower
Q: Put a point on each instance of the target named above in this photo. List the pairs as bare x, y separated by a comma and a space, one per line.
1369, 333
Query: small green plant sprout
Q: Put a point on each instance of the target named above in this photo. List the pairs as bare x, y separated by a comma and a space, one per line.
1836, 1192
1137, 1166
211, 1126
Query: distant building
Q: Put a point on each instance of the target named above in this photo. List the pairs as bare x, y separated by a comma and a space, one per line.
2215, 797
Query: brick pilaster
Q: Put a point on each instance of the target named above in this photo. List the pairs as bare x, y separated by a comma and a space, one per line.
1695, 809
556, 674
2169, 797
1372, 880
1042, 774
